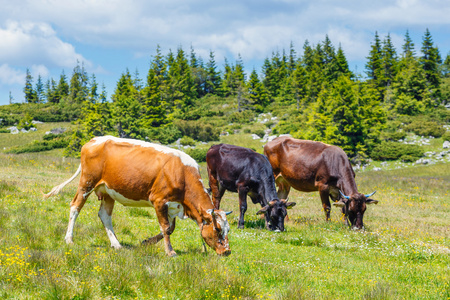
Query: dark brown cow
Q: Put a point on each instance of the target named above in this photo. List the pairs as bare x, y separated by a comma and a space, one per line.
242, 170
310, 166
141, 174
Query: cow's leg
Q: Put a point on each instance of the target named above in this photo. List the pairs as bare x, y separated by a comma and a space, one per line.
104, 213
75, 207
242, 190
325, 197
216, 190
283, 187
166, 224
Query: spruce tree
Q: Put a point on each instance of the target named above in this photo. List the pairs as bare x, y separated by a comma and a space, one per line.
408, 47
430, 62
154, 94
259, 99
39, 90
62, 90
126, 109
213, 79
388, 64
30, 93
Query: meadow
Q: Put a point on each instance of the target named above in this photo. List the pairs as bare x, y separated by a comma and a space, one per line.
403, 253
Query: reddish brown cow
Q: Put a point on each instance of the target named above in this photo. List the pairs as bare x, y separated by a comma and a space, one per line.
141, 174
310, 166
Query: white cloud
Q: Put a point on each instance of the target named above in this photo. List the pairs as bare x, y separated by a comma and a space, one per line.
10, 76
27, 43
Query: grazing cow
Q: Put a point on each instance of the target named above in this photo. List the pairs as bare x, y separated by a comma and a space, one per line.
310, 166
246, 172
140, 174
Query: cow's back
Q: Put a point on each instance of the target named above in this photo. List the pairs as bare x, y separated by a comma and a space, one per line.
137, 170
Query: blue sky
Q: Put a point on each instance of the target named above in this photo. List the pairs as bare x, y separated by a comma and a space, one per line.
109, 36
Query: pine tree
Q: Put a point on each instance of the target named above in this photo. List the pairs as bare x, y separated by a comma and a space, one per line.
388, 64
213, 79
39, 90
292, 62
408, 47
430, 62
93, 93
30, 93
295, 88
342, 64
259, 99
78, 89
199, 74
155, 97
374, 63
411, 95
62, 90
126, 109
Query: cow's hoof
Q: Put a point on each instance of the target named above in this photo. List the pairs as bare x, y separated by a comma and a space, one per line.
241, 227
117, 247
68, 240
172, 254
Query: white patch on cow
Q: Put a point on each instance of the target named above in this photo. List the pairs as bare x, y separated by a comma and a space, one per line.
123, 200
107, 222
175, 209
222, 221
72, 218
185, 159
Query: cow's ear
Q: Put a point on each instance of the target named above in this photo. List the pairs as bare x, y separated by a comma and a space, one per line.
263, 210
371, 201
290, 205
339, 203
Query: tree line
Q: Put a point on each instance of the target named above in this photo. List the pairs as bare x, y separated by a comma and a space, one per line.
315, 94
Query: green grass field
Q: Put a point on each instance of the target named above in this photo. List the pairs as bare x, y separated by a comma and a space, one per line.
404, 253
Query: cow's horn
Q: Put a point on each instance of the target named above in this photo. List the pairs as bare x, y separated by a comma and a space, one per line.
368, 195
346, 197
228, 212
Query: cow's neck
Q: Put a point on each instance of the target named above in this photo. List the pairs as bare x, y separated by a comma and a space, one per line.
197, 201
348, 185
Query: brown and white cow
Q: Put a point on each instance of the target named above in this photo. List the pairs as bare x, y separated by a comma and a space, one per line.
140, 174
310, 166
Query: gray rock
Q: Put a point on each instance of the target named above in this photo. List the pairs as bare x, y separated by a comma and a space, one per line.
446, 145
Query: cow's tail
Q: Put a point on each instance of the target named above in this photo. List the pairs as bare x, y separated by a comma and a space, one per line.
57, 189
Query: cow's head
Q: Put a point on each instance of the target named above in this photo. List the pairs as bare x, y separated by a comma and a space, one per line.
354, 207
215, 231
275, 213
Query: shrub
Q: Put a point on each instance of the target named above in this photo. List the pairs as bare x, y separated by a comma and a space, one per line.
394, 151
197, 130
425, 128
187, 141
38, 146
242, 117
198, 154
4, 130
165, 134
446, 136
259, 132
393, 136
26, 122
